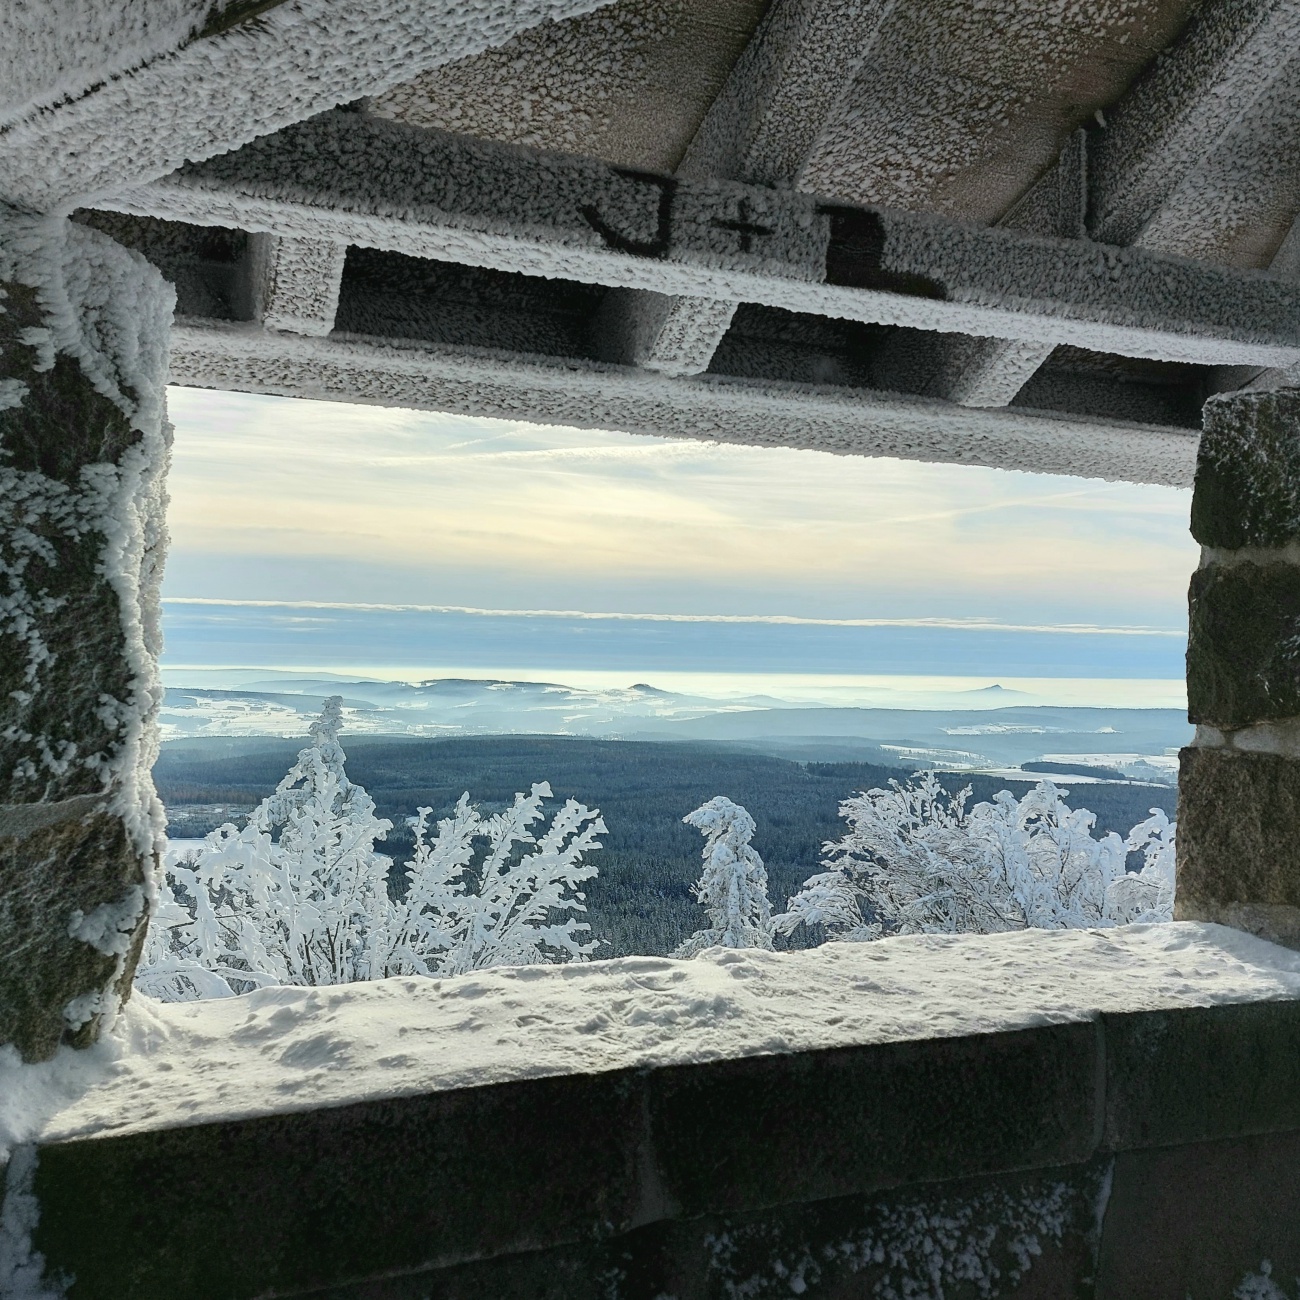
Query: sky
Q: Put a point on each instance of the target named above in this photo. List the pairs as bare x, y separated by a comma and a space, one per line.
325, 536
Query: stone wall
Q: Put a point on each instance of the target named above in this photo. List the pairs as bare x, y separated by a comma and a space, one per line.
1147, 1154
1239, 804
83, 361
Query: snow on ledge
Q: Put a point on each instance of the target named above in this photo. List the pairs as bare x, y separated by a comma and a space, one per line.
287, 1049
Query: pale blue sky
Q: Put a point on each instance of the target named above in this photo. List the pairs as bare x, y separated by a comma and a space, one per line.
286, 500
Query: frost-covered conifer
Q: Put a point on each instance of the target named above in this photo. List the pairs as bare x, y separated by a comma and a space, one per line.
1146, 895
733, 886
300, 896
915, 860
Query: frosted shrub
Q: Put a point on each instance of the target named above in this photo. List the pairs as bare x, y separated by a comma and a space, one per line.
916, 860
300, 896
459, 916
733, 886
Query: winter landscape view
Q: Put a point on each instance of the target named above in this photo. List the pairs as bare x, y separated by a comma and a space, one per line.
964, 720
649, 650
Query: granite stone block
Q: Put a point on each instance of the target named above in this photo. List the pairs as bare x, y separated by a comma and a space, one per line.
764, 1131
1238, 836
1248, 471
1243, 647
1198, 1074
1032, 1237
1197, 1220
294, 1201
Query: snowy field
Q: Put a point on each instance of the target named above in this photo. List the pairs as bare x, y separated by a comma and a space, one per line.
287, 1049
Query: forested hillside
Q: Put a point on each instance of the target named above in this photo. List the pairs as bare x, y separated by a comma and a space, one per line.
640, 902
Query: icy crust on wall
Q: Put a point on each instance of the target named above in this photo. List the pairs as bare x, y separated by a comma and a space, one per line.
110, 311
58, 48
848, 422
501, 206
81, 487
288, 1049
215, 94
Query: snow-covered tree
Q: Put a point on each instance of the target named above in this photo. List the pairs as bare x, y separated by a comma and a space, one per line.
504, 911
1146, 895
300, 896
733, 886
915, 860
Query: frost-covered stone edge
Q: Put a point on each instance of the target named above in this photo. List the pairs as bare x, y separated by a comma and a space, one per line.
108, 310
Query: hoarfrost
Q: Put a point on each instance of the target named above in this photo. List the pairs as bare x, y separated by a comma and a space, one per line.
733, 886
915, 860
161, 97
978, 1244
300, 896
67, 45
108, 927
22, 1267
1261, 1286
107, 309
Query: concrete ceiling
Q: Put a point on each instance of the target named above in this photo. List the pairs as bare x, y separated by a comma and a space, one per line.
1128, 130
629, 83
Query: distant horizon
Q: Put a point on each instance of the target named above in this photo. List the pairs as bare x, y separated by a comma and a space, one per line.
817, 690
324, 537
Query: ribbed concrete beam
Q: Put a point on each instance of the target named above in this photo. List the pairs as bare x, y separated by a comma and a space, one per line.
1232, 56
248, 69
847, 422
56, 50
452, 199
991, 371
673, 335
296, 282
761, 128
784, 90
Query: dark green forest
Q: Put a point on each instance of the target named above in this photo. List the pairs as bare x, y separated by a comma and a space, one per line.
640, 902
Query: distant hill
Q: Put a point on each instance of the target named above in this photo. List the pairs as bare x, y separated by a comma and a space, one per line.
962, 737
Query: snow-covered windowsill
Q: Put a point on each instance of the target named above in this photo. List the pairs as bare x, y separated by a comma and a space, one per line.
544, 1115
286, 1049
